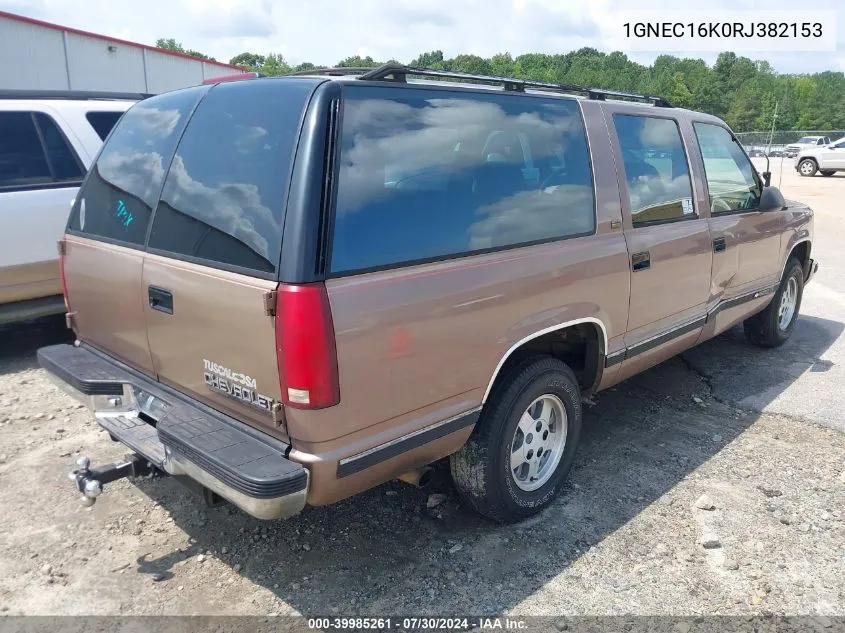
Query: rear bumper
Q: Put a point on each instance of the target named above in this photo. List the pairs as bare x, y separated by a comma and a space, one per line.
181, 436
31, 309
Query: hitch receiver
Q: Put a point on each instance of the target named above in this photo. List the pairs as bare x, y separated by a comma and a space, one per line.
90, 481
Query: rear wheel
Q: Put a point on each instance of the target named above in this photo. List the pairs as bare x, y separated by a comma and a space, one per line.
827, 172
522, 448
773, 326
808, 167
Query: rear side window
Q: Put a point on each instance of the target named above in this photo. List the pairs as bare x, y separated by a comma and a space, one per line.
64, 165
224, 197
431, 174
119, 195
656, 169
103, 122
730, 175
34, 153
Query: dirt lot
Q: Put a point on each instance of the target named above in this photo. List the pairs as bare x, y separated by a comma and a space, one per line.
760, 433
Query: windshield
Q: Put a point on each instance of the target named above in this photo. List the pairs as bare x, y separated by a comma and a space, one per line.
808, 140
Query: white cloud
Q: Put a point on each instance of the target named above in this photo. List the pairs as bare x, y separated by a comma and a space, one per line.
325, 31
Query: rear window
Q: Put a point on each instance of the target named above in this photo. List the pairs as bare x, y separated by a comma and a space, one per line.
224, 197
122, 188
428, 174
103, 122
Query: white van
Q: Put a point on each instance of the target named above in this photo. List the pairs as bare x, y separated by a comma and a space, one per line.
47, 141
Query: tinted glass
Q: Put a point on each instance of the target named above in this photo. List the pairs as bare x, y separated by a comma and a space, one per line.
656, 169
224, 197
22, 160
730, 175
103, 122
429, 174
121, 191
64, 164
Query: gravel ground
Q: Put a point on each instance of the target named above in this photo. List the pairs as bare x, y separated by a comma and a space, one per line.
686, 498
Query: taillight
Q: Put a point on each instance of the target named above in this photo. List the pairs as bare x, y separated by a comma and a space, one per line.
305, 347
62, 279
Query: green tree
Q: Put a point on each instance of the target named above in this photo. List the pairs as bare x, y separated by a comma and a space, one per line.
170, 44
358, 62
432, 59
470, 64
742, 91
253, 61
275, 64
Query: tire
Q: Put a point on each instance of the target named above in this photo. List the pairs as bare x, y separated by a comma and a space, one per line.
482, 469
767, 328
827, 172
807, 167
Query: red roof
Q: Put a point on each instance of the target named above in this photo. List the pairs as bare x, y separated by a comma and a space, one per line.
58, 27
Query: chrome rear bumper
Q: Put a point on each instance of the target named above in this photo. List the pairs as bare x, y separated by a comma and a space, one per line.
181, 438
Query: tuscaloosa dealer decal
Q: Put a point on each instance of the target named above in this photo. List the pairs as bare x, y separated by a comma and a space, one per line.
235, 385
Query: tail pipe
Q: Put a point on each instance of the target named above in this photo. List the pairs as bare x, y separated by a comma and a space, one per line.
419, 478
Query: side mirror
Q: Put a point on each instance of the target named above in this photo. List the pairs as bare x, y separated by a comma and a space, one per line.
767, 178
771, 199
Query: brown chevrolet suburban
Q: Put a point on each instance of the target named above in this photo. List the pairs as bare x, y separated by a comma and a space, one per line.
289, 290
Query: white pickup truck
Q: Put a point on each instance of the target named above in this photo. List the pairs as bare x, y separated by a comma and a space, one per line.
47, 141
824, 159
793, 149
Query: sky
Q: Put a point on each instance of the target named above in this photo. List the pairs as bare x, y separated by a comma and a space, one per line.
326, 31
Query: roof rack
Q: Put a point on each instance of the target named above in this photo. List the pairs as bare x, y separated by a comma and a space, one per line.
343, 70
76, 95
398, 73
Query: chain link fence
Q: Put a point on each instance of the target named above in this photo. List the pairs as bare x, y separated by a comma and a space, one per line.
774, 143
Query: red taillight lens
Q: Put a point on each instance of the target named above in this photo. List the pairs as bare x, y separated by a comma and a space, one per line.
62, 279
305, 347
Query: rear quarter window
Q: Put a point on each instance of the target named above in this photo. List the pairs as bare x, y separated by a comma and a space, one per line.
34, 153
429, 174
224, 198
103, 121
122, 188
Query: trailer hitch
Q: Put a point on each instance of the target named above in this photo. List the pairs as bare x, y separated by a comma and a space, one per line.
90, 481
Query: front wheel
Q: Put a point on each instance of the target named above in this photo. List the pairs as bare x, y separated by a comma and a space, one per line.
773, 326
808, 167
522, 448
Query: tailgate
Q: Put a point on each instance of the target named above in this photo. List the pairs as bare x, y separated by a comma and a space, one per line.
106, 299
210, 338
104, 246
214, 249
175, 241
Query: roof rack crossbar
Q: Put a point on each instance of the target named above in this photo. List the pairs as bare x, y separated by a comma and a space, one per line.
343, 70
398, 72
